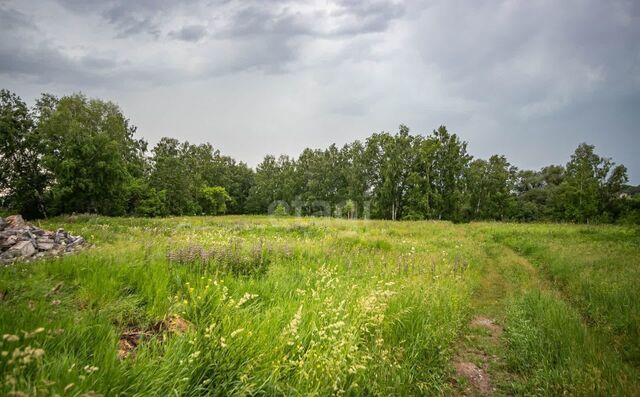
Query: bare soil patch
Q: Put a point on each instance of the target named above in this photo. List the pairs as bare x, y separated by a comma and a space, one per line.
484, 322
478, 378
132, 337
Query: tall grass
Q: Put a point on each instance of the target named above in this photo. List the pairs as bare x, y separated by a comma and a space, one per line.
310, 315
312, 306
555, 354
597, 270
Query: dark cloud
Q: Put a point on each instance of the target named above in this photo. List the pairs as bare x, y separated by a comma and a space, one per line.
349, 18
127, 23
532, 52
21, 53
367, 16
527, 79
189, 33
129, 18
98, 63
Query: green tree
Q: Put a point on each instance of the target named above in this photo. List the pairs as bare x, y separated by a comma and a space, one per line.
391, 159
450, 160
23, 181
264, 190
91, 154
214, 199
175, 173
489, 185
355, 176
585, 176
420, 194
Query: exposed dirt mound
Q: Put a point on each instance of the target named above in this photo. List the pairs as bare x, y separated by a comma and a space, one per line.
484, 322
134, 336
476, 376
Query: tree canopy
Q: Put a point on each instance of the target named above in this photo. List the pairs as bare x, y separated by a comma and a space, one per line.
76, 154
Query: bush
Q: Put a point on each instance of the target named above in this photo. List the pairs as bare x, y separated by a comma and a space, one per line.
280, 210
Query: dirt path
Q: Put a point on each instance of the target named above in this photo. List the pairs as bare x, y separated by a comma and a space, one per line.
478, 369
475, 358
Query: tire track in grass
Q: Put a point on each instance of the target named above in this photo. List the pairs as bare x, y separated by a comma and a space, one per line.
566, 355
472, 363
478, 367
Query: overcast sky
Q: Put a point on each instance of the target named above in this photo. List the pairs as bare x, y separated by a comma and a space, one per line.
528, 79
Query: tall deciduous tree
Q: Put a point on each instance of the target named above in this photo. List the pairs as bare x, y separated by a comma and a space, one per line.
586, 173
22, 179
449, 164
490, 185
91, 154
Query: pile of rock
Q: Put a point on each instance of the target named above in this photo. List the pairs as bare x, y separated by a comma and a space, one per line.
22, 241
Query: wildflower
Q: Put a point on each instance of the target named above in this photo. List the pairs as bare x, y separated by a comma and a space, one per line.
28, 335
236, 332
292, 329
245, 298
223, 342
10, 338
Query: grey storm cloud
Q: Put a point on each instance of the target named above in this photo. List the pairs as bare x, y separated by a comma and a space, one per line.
189, 33
527, 79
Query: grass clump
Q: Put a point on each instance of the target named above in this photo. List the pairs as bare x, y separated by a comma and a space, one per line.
555, 353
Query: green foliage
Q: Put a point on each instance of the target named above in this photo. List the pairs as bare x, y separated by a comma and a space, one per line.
90, 152
145, 200
76, 154
215, 199
490, 185
584, 179
349, 208
280, 210
22, 180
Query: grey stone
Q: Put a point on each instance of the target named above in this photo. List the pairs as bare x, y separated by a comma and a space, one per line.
9, 241
76, 242
23, 248
45, 246
21, 241
15, 222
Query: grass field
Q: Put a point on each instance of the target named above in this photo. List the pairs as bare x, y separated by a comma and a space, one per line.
308, 306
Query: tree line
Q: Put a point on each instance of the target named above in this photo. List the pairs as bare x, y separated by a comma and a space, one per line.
76, 154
